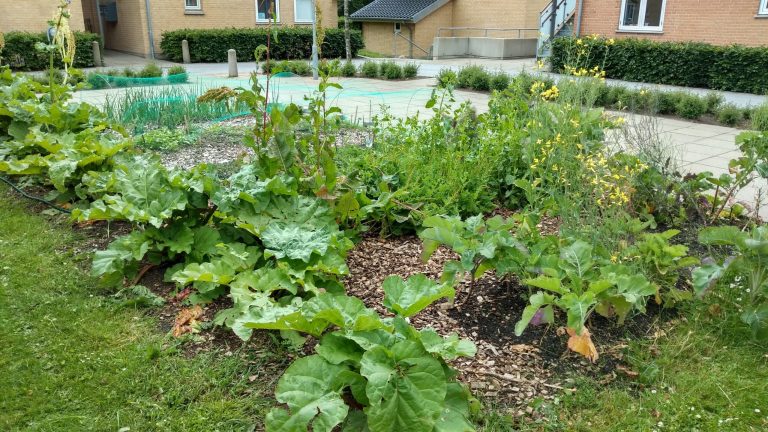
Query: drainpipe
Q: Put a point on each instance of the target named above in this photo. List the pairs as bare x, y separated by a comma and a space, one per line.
578, 20
101, 23
149, 30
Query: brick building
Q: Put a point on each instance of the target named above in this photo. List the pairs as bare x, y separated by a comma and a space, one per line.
408, 28
742, 22
128, 26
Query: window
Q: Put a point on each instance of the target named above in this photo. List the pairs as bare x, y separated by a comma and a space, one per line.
267, 10
398, 27
303, 11
642, 15
192, 4
763, 8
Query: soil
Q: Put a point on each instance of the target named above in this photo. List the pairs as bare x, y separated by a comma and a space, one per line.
508, 370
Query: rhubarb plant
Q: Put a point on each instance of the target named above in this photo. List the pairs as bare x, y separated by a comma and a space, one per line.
368, 373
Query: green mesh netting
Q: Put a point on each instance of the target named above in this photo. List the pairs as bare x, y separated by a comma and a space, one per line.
102, 81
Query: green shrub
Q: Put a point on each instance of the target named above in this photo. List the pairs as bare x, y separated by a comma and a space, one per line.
20, 52
446, 78
474, 77
713, 101
499, 81
327, 67
688, 64
163, 139
127, 72
348, 70
618, 97
759, 117
211, 45
177, 74
729, 115
176, 70
691, 107
666, 102
410, 70
150, 71
391, 70
370, 69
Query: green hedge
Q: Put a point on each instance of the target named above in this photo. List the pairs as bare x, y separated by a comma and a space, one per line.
20, 52
688, 64
290, 43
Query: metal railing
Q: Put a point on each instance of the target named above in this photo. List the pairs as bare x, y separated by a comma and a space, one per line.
413, 44
486, 30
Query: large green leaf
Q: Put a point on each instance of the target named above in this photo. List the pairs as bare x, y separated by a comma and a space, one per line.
577, 258
537, 301
449, 347
441, 230
455, 415
411, 296
757, 319
307, 388
348, 313
288, 240
406, 388
723, 235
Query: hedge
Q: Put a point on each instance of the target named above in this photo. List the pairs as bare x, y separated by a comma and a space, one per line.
689, 64
288, 43
20, 52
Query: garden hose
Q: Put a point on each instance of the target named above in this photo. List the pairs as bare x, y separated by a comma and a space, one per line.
34, 198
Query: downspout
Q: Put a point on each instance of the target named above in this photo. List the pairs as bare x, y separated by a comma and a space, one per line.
578, 20
149, 30
101, 23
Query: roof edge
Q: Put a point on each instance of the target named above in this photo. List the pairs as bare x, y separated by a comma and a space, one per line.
429, 10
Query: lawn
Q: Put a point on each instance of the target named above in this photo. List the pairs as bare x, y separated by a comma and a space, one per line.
73, 358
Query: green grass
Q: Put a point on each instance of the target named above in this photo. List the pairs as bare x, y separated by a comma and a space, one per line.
704, 375
370, 54
73, 359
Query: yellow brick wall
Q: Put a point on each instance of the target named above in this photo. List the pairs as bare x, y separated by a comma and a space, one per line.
426, 29
722, 23
498, 14
129, 33
33, 15
507, 14
380, 38
170, 15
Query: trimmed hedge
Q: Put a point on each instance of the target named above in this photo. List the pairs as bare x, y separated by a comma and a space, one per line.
20, 52
290, 43
688, 64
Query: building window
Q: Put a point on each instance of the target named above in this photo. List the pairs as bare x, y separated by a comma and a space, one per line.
763, 7
267, 10
192, 4
303, 11
398, 27
642, 15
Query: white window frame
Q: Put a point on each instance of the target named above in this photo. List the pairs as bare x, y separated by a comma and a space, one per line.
763, 10
296, 20
267, 20
641, 15
193, 8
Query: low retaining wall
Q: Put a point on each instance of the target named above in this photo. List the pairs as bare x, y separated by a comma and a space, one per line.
485, 47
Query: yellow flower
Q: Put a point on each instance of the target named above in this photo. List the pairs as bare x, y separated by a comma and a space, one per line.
611, 41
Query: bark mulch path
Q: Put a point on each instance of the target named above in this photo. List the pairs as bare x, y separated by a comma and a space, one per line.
508, 370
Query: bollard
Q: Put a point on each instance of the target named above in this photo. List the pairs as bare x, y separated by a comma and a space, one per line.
96, 54
232, 60
185, 52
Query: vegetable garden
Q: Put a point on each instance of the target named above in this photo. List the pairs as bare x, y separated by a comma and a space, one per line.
387, 267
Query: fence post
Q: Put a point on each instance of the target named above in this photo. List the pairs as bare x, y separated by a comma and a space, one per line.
232, 60
96, 54
185, 52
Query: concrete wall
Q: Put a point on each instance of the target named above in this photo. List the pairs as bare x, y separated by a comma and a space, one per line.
484, 47
719, 23
33, 15
381, 38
